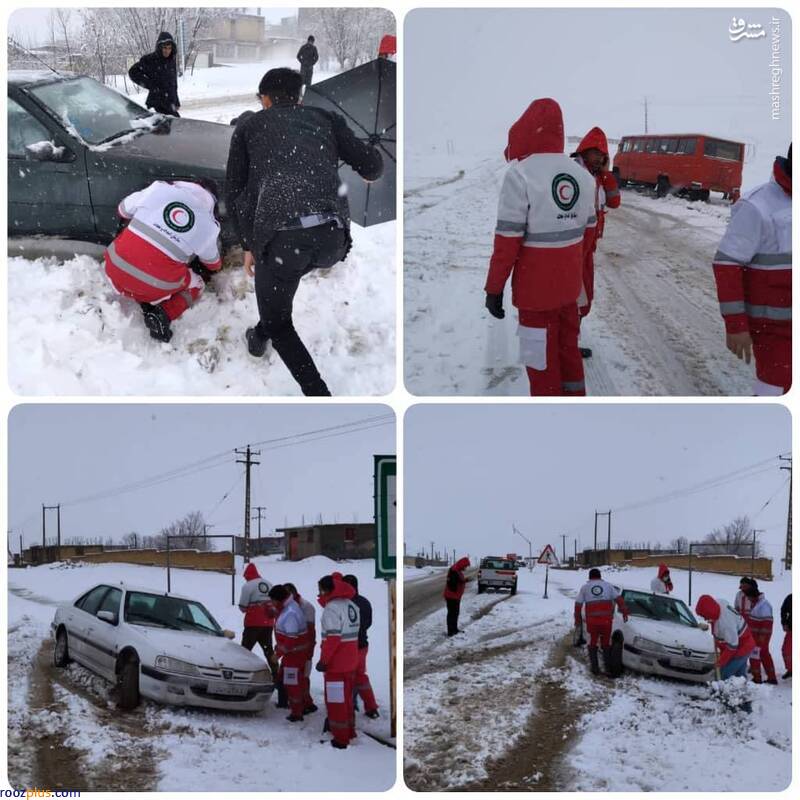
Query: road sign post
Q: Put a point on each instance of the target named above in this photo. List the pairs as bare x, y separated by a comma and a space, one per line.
547, 556
386, 556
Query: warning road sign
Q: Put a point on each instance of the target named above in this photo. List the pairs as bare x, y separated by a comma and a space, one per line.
548, 556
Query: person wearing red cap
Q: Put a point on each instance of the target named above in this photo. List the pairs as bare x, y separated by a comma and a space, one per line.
662, 583
753, 271
291, 635
453, 592
544, 221
599, 598
311, 627
592, 154
259, 616
339, 655
732, 638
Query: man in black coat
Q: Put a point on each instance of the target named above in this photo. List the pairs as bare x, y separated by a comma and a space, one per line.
283, 194
786, 624
158, 73
362, 685
307, 55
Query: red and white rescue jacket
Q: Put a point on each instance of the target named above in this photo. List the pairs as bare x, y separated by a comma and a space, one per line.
340, 623
170, 224
760, 619
546, 206
753, 264
259, 611
742, 603
291, 630
599, 598
730, 630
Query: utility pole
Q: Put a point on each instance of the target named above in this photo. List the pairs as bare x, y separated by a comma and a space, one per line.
608, 543
248, 464
787, 553
530, 547
645, 115
259, 517
564, 547
756, 531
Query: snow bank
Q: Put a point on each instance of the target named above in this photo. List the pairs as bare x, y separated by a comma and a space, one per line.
71, 333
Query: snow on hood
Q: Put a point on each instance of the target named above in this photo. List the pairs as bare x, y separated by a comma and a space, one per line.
539, 130
197, 648
672, 634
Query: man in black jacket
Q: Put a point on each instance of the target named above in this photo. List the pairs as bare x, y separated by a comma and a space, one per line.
362, 685
158, 73
284, 197
786, 624
307, 55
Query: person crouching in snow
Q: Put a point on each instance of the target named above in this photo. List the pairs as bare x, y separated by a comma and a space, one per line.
170, 226
662, 583
732, 638
753, 271
544, 222
599, 598
592, 154
311, 626
363, 687
759, 619
338, 659
453, 592
291, 637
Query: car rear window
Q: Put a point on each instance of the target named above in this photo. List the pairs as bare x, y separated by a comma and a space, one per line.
496, 563
716, 148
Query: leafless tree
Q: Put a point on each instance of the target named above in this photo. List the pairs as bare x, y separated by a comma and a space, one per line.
349, 35
736, 536
190, 529
679, 544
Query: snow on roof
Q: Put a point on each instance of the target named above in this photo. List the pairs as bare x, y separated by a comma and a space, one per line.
20, 76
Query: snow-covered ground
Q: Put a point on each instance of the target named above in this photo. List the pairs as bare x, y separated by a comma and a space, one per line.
411, 574
180, 750
655, 326
510, 703
81, 338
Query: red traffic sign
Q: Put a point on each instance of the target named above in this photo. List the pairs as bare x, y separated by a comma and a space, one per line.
548, 556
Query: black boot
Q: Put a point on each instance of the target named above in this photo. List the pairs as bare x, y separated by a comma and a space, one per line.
607, 661
283, 697
256, 344
157, 322
593, 661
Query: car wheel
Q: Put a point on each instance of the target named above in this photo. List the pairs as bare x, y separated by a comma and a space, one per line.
615, 657
61, 650
662, 186
620, 183
128, 684
514, 589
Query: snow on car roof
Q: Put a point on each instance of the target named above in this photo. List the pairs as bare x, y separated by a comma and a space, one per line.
21, 77
127, 587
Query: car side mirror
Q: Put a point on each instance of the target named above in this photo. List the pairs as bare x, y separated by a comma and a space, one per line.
228, 634
48, 151
703, 626
107, 616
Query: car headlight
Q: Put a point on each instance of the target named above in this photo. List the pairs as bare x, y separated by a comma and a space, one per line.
262, 676
648, 644
175, 665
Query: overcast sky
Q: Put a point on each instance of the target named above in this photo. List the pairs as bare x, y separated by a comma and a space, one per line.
58, 454
470, 73
472, 471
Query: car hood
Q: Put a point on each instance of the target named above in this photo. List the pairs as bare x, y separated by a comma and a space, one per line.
672, 634
190, 143
204, 651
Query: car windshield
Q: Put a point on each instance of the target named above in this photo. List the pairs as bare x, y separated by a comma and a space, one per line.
142, 608
96, 113
497, 563
658, 606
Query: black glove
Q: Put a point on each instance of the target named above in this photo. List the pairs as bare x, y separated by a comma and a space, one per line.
494, 302
199, 269
321, 667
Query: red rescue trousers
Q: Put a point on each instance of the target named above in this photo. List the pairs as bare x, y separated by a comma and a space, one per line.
599, 631
292, 675
339, 705
762, 655
553, 360
786, 650
772, 349
362, 685
588, 285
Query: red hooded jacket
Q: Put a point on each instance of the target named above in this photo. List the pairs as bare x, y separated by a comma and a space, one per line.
731, 634
454, 586
545, 210
339, 625
605, 180
260, 613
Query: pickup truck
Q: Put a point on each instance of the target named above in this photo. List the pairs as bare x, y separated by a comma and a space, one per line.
497, 573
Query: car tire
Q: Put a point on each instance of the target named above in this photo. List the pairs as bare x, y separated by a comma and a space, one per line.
615, 657
61, 650
620, 183
662, 186
514, 589
128, 684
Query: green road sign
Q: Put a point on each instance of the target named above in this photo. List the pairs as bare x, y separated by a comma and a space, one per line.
385, 516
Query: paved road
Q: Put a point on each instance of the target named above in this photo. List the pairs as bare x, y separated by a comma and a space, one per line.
423, 596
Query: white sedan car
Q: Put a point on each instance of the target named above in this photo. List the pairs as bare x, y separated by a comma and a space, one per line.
661, 637
161, 646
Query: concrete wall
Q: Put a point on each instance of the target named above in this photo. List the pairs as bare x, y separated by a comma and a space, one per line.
180, 559
760, 568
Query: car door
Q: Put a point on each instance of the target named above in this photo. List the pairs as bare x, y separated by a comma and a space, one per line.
48, 190
104, 635
78, 621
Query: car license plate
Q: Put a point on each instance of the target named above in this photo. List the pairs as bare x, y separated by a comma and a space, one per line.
228, 689
689, 663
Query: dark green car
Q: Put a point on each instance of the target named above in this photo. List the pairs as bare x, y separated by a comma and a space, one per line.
77, 147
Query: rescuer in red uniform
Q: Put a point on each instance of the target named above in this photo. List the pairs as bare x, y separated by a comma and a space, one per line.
599, 597
291, 635
453, 592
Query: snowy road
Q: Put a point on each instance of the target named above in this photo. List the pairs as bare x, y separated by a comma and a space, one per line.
511, 705
654, 328
424, 595
66, 732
